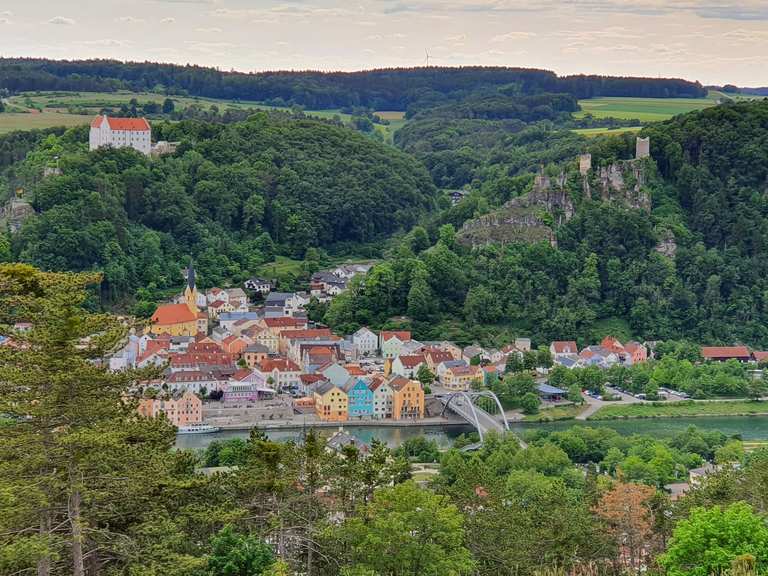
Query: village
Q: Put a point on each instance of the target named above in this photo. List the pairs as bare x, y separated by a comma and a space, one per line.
227, 362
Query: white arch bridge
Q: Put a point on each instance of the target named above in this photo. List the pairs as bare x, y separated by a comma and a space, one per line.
481, 409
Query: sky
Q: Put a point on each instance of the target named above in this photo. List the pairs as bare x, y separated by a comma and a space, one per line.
713, 41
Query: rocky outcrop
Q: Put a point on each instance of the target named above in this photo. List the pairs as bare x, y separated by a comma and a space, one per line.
14, 213
534, 217
528, 218
622, 182
667, 245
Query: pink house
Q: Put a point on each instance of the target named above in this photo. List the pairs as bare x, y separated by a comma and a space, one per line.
180, 410
636, 352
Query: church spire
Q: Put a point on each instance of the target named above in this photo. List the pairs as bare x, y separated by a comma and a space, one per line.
191, 274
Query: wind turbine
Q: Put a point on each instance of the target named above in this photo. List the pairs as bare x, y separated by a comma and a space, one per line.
426, 59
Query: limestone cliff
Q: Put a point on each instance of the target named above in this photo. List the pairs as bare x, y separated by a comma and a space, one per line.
536, 215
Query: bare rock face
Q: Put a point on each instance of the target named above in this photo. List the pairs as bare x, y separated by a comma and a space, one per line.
15, 212
667, 245
533, 217
623, 182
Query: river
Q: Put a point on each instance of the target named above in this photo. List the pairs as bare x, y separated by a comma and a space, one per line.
749, 427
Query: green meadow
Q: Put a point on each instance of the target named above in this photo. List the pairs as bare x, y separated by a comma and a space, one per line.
31, 110
642, 109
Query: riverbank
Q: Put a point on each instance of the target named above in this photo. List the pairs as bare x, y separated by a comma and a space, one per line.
556, 413
685, 409
300, 423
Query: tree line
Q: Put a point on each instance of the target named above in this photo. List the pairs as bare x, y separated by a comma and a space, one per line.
383, 89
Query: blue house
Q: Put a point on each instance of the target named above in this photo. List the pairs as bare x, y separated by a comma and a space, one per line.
360, 398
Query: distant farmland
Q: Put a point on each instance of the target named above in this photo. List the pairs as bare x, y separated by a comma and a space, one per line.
590, 132
642, 109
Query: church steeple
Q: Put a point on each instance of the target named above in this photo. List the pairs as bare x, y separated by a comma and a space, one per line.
190, 292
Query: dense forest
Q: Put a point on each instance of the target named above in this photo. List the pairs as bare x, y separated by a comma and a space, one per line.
708, 197
111, 497
232, 197
386, 89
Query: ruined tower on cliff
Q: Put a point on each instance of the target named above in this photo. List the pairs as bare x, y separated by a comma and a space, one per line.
642, 148
585, 164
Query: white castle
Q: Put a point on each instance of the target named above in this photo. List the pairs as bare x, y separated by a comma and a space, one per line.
133, 133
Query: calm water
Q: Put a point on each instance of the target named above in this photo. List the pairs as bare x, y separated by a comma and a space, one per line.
749, 427
392, 436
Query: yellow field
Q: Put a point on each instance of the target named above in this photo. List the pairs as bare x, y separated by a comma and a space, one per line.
11, 121
592, 132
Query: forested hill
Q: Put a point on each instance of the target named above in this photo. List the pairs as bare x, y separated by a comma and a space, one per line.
231, 196
386, 89
694, 267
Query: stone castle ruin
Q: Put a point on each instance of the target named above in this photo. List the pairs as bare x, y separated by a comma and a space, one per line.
534, 216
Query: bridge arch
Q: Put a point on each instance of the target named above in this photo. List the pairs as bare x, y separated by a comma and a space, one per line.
473, 415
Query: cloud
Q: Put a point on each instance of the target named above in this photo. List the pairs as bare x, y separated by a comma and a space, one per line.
6, 13
512, 36
106, 43
168, 20
129, 20
213, 30
62, 21
4, 21
716, 9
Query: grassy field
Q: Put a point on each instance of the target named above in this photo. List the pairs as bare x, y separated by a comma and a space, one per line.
19, 121
592, 132
643, 109
683, 409
31, 110
556, 413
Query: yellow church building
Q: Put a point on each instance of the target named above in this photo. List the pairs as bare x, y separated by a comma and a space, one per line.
179, 319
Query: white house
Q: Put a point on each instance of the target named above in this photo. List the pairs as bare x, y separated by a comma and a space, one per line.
258, 285
366, 341
382, 399
408, 366
121, 133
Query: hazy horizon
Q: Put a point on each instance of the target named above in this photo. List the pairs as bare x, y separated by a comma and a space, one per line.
710, 41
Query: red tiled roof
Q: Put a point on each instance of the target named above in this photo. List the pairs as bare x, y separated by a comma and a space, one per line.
173, 314
412, 361
725, 352
242, 374
565, 347
306, 334
279, 364
284, 322
354, 370
398, 383
402, 335
216, 304
311, 378
439, 356
611, 343
760, 356
126, 124
204, 347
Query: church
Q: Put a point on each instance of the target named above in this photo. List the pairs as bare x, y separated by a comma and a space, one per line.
183, 319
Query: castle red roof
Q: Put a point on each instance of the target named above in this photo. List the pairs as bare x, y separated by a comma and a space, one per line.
125, 124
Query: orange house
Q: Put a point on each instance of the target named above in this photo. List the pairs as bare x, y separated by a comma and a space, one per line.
407, 398
234, 345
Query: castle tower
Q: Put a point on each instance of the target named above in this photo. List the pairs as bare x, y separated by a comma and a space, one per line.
190, 292
642, 148
585, 164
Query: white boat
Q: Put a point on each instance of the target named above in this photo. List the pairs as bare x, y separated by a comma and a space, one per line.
198, 429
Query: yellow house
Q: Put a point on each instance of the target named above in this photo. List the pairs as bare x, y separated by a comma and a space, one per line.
407, 398
331, 403
461, 378
179, 319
